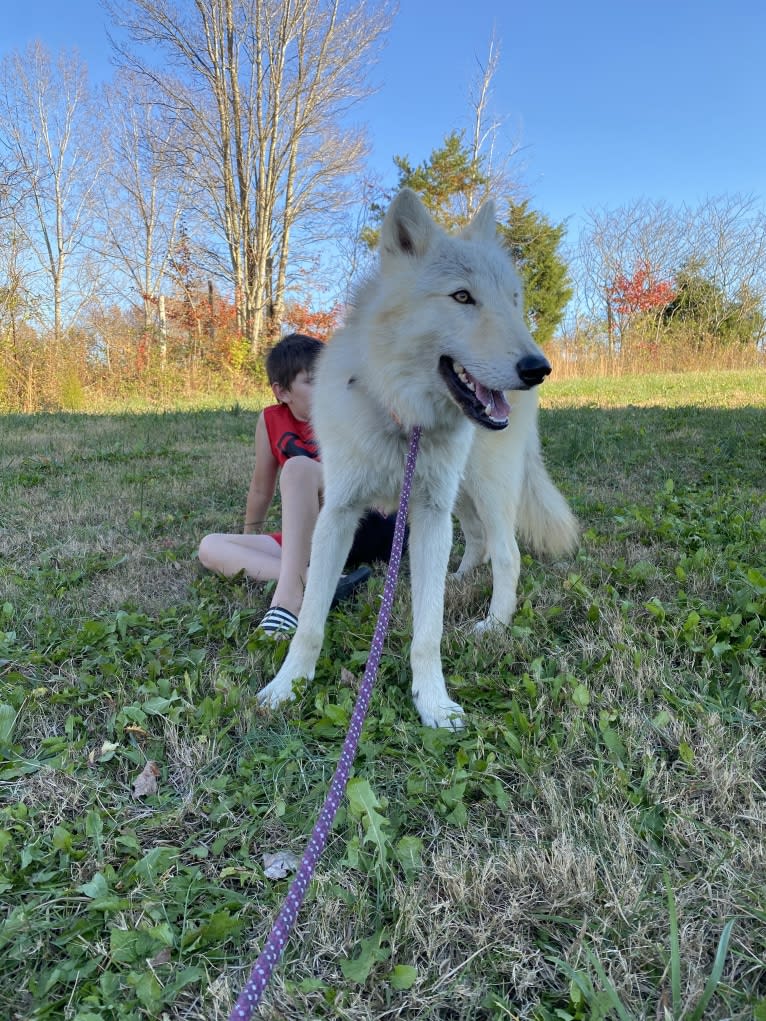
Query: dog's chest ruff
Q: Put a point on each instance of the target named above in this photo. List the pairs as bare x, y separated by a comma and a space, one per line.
379, 440
391, 413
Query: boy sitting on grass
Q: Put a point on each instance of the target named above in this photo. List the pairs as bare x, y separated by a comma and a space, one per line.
285, 447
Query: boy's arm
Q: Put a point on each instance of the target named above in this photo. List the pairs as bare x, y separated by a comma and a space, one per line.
263, 482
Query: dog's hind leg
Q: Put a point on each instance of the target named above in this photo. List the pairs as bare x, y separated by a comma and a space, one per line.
430, 543
506, 566
330, 545
486, 508
475, 552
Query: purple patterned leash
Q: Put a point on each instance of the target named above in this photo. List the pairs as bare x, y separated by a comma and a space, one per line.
251, 995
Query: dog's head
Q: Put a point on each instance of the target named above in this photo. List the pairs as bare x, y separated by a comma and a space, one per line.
465, 302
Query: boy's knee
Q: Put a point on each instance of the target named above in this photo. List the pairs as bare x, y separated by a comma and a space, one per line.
205, 551
301, 471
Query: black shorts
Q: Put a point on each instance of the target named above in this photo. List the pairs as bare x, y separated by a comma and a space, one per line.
373, 539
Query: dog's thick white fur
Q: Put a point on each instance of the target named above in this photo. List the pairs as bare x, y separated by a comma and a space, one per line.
506, 492
435, 337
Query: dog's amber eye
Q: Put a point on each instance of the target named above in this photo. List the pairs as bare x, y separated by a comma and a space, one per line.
463, 297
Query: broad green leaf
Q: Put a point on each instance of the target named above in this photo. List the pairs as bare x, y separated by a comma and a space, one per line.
95, 887
7, 722
129, 946
364, 805
408, 854
217, 929
403, 976
158, 706
149, 991
581, 696
357, 969
154, 863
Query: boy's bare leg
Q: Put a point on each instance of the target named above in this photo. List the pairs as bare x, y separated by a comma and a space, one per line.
300, 485
260, 556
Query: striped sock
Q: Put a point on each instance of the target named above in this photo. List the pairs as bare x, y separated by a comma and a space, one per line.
277, 620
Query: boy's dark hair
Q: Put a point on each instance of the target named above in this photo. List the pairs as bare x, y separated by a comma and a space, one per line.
294, 353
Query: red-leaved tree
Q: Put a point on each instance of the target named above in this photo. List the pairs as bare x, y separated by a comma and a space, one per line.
635, 302
316, 323
641, 292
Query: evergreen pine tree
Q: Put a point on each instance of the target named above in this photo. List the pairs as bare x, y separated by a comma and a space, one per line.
451, 183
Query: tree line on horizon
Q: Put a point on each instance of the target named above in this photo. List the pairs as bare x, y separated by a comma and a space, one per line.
215, 193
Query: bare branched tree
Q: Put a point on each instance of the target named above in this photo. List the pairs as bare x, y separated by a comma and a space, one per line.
727, 242
10, 275
263, 90
47, 126
615, 242
499, 162
144, 193
16, 302
723, 240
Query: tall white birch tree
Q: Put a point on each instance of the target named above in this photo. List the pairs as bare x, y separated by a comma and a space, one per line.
48, 130
263, 90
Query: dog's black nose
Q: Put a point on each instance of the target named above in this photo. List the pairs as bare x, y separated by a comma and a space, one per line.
533, 369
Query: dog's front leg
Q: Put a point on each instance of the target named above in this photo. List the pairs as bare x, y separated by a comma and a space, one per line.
330, 545
430, 543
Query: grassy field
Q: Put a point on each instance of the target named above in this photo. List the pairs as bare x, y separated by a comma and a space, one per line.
592, 846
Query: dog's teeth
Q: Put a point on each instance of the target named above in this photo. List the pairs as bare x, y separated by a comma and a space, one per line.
462, 375
471, 386
488, 410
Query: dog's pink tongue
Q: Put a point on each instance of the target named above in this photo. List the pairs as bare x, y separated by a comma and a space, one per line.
499, 408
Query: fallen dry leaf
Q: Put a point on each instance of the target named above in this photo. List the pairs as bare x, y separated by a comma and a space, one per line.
279, 864
145, 783
663, 1005
348, 679
108, 749
133, 728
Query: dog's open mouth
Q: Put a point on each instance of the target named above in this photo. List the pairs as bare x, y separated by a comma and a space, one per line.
487, 407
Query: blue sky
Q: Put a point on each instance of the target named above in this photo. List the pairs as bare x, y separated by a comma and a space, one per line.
611, 101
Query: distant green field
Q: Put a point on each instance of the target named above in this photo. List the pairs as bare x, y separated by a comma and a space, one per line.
592, 846
727, 389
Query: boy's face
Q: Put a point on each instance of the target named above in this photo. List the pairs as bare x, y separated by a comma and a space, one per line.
297, 396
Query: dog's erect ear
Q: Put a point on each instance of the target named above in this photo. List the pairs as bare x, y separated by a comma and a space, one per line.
407, 228
482, 227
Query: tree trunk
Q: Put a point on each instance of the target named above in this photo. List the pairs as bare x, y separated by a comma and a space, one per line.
163, 324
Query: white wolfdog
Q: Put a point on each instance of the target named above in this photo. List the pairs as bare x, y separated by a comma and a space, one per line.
435, 337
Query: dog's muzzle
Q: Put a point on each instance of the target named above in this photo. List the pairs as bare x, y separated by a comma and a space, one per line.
488, 408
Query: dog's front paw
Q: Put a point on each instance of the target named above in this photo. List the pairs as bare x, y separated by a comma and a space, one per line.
298, 665
481, 627
276, 692
440, 713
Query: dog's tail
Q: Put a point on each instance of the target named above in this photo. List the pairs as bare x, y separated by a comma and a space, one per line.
545, 521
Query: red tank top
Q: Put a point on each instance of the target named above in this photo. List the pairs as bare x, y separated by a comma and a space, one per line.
288, 436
